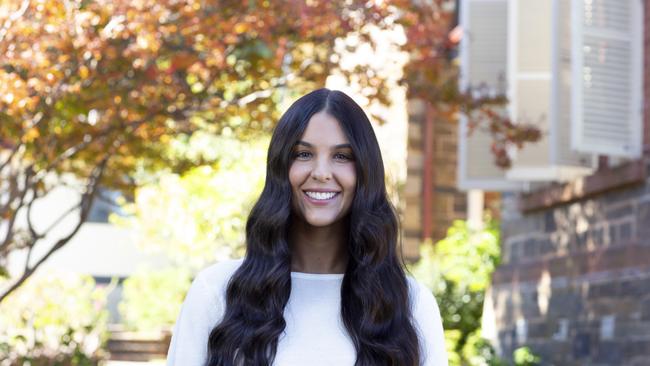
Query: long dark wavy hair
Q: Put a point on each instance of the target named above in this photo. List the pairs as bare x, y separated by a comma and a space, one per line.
375, 305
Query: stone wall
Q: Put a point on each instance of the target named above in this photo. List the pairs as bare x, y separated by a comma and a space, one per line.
575, 280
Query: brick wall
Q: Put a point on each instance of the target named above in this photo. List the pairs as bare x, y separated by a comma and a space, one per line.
447, 203
575, 283
412, 194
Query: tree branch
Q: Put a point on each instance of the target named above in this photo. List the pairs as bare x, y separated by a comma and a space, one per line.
73, 150
32, 231
13, 153
60, 218
12, 219
29, 256
86, 202
13, 17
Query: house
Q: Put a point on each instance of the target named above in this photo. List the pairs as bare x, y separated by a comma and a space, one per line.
574, 284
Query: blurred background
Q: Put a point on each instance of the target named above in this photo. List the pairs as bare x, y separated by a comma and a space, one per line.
515, 136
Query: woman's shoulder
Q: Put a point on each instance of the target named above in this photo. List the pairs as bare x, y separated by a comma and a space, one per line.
203, 307
426, 316
420, 295
210, 284
219, 273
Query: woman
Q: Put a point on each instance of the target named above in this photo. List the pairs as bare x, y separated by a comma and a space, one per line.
321, 282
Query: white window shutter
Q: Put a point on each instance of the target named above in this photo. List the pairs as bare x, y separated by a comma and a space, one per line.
539, 80
483, 56
562, 86
607, 76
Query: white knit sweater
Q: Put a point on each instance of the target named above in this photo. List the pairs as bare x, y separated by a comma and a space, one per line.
314, 333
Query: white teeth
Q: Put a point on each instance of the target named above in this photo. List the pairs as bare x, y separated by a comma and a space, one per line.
321, 195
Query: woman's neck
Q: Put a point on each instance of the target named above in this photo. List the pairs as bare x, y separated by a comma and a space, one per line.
318, 249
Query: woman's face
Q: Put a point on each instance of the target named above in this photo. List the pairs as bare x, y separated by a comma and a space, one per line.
322, 172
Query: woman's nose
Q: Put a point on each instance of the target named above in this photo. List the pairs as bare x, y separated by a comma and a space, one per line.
321, 171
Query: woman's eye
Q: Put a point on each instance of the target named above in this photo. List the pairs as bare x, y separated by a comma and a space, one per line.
302, 155
342, 157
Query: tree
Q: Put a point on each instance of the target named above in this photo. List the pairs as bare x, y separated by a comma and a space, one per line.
96, 89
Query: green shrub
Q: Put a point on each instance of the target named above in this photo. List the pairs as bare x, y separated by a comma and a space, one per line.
458, 270
54, 319
478, 351
523, 356
151, 300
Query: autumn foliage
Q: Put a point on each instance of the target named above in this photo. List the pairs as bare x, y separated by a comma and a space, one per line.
98, 88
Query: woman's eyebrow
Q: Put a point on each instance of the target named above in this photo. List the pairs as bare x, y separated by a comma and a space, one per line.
304, 143
339, 146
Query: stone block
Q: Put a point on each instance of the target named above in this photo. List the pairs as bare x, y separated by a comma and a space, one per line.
413, 187
645, 308
639, 361
531, 249
565, 303
632, 329
412, 218
635, 288
616, 197
523, 226
619, 211
578, 241
515, 250
460, 201
415, 159
602, 290
553, 353
625, 232
443, 204
549, 222
445, 128
546, 246
596, 236
643, 222
414, 172
581, 345
445, 175
634, 348
448, 147
608, 353
415, 108
612, 306
411, 248
415, 133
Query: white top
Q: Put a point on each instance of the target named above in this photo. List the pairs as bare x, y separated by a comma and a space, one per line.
314, 333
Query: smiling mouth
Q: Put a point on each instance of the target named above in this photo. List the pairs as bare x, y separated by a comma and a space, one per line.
321, 196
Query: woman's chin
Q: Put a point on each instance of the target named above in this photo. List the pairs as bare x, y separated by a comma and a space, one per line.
320, 221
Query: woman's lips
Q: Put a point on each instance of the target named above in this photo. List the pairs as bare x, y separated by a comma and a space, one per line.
320, 202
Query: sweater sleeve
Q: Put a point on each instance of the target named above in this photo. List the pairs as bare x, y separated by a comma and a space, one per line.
429, 323
199, 313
